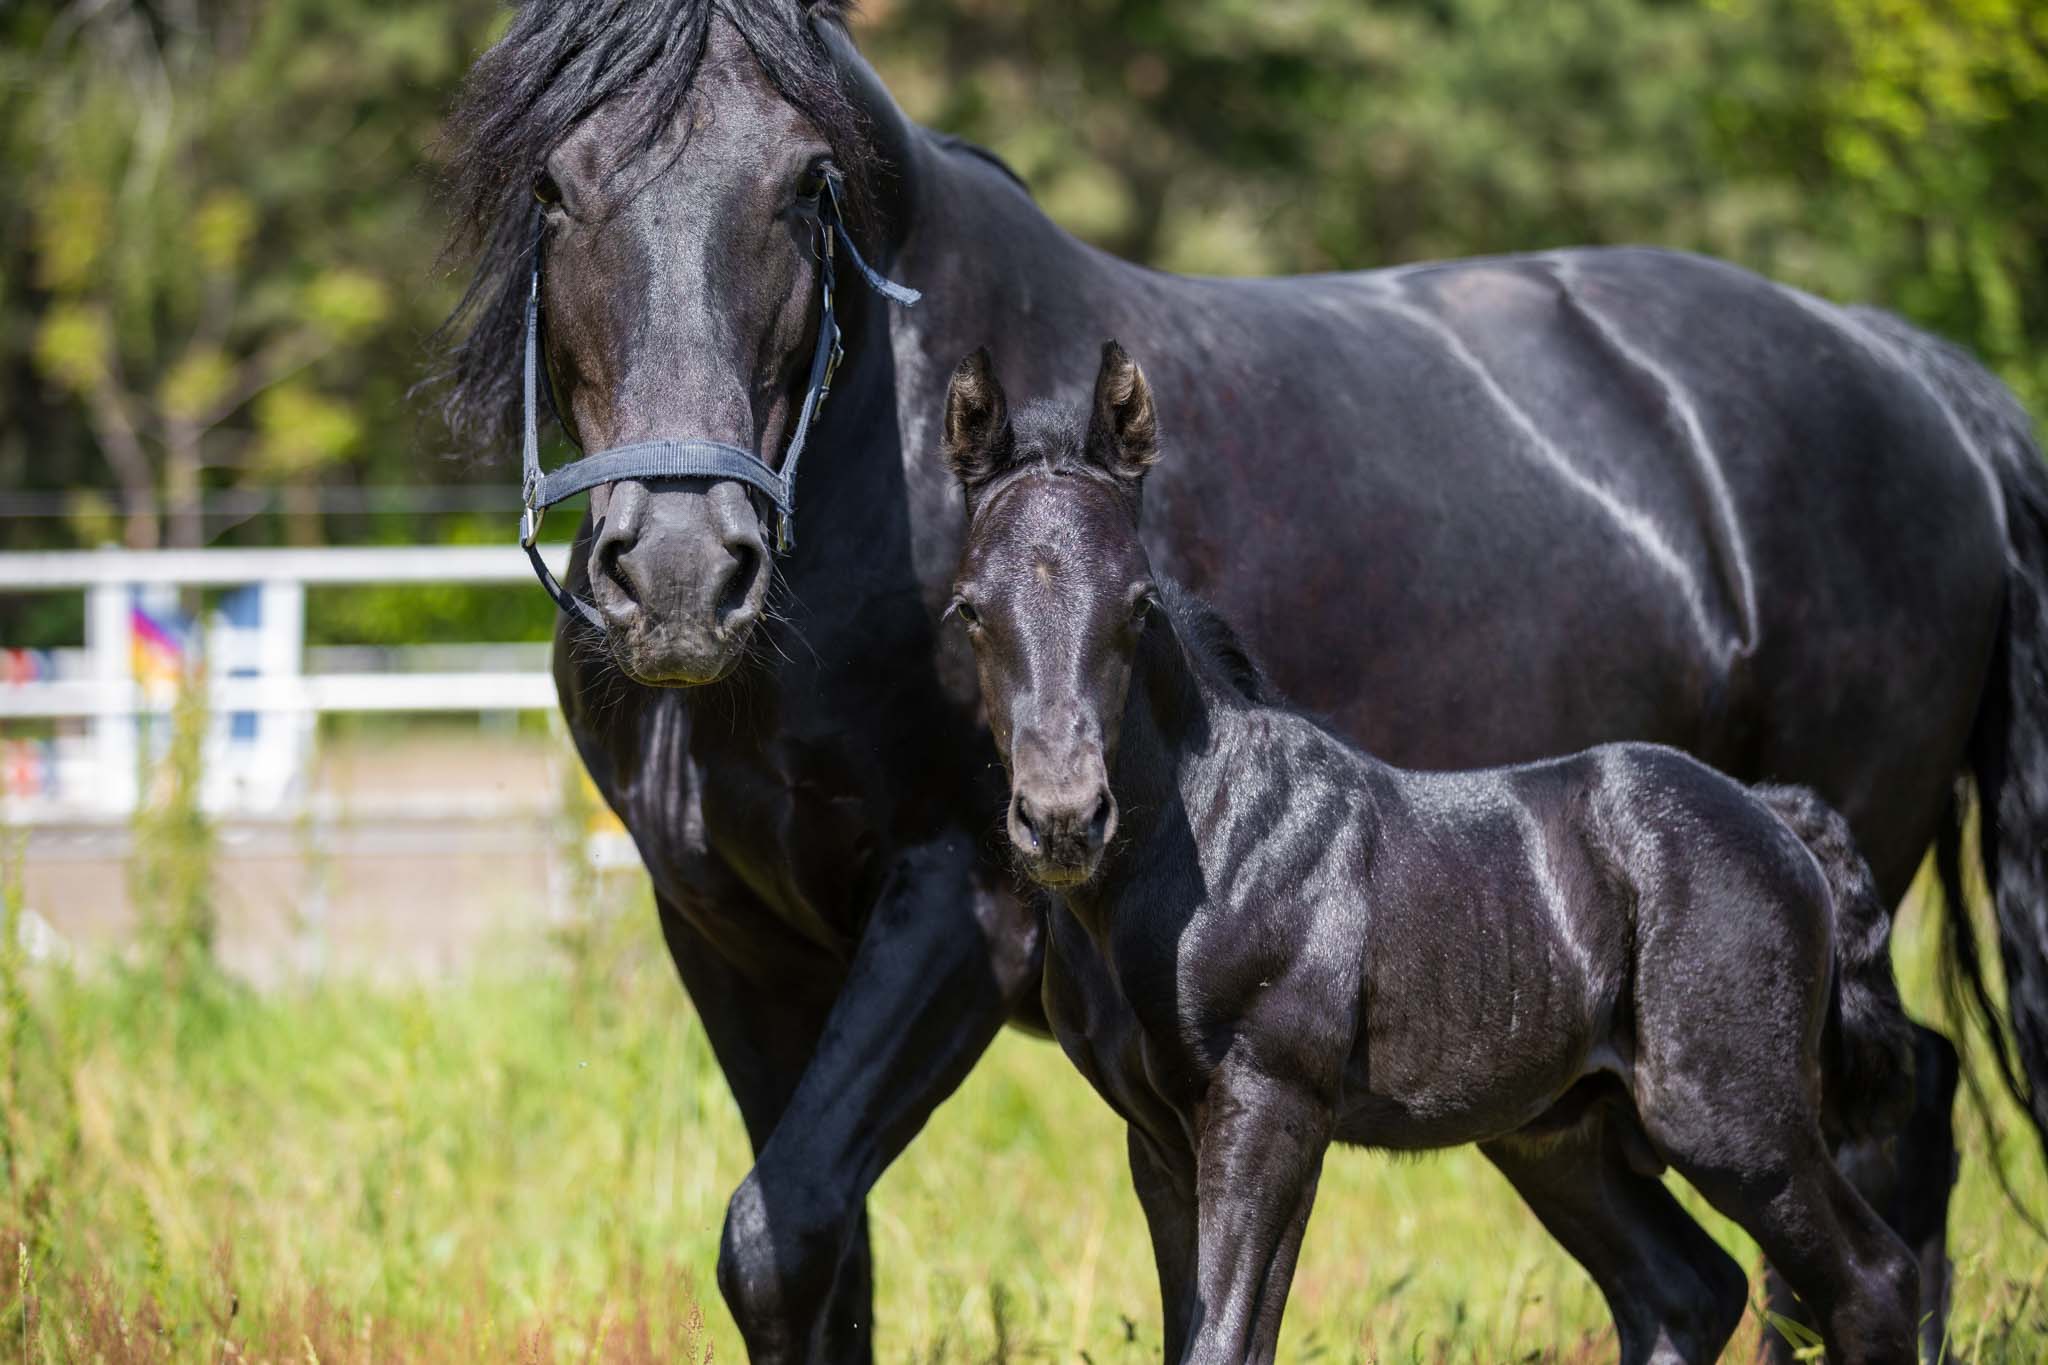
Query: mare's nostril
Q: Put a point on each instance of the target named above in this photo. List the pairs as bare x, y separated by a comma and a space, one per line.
608, 562
738, 584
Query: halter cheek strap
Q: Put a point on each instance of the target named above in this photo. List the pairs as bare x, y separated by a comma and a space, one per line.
674, 458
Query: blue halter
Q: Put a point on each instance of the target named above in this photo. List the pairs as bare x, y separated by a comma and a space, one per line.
672, 458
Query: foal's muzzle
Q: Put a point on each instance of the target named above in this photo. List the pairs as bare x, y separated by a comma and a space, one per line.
1060, 833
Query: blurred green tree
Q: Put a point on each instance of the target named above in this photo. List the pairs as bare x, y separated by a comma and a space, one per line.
1936, 129
217, 264
1890, 151
222, 268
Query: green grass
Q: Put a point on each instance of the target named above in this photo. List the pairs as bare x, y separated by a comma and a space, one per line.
534, 1166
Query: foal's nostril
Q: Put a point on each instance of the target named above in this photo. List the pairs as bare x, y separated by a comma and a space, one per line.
1099, 822
1020, 810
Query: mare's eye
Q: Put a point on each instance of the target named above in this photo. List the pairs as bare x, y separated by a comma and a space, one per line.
547, 191
1141, 611
811, 183
964, 609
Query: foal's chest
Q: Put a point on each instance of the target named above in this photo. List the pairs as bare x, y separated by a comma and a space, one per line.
1150, 1085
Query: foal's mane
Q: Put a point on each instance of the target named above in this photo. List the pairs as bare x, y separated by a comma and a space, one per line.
1214, 647
559, 61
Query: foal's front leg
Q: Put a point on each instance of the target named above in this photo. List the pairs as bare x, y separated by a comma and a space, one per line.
1165, 1182
1261, 1149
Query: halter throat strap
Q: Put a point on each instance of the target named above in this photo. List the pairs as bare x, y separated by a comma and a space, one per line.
689, 458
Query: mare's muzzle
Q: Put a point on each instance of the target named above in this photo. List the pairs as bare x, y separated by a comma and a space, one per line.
679, 575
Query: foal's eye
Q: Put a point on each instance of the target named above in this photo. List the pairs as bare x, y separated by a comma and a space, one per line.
964, 610
1141, 611
547, 191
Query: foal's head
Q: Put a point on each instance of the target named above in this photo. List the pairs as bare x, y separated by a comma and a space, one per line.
1054, 590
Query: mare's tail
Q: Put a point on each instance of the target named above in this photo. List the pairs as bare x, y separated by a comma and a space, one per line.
1867, 1058
2010, 761
2009, 750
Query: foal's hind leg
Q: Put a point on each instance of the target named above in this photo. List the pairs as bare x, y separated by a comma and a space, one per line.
1675, 1295
1908, 1182
1781, 1186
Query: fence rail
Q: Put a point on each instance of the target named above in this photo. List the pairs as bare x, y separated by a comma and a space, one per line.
40, 571
262, 699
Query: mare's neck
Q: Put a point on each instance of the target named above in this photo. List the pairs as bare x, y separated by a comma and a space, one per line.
995, 269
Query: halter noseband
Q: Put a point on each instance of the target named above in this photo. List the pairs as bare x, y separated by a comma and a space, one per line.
672, 458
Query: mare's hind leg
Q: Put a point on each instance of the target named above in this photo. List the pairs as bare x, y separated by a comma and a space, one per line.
1908, 1182
1675, 1295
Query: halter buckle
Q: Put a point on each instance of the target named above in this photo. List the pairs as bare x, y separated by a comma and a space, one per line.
831, 367
529, 524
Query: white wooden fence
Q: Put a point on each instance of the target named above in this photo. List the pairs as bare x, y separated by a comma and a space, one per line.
257, 675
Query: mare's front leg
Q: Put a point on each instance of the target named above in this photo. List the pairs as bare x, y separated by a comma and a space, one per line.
1260, 1152
939, 967
763, 1033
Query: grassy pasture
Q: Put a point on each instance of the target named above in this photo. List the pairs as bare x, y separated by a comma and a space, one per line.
533, 1166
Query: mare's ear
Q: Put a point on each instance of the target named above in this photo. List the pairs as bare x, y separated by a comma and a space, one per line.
979, 441
1123, 432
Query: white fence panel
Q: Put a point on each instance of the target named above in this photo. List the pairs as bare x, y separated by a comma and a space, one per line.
263, 700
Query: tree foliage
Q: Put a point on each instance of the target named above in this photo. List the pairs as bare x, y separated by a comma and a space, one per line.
218, 262
220, 251
1889, 151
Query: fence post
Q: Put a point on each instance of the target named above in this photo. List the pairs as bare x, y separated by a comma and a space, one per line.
280, 655
107, 640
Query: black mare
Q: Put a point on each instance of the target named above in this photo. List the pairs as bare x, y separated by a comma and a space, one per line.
1468, 513
1264, 941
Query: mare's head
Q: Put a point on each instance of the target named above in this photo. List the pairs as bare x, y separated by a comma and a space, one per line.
1054, 589
666, 155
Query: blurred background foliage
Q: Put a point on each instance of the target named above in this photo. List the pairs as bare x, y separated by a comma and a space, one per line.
218, 255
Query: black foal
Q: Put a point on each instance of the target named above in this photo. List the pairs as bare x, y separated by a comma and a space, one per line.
1264, 941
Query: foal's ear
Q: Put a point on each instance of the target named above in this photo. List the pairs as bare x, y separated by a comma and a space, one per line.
1123, 433
978, 441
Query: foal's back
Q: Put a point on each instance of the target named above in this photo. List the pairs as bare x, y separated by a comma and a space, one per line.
1516, 914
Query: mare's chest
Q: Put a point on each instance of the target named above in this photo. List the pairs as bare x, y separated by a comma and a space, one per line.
801, 822
852, 757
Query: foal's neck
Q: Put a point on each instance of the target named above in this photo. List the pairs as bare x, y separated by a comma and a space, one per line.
1172, 721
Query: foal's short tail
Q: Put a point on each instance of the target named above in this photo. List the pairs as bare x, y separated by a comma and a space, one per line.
1867, 1057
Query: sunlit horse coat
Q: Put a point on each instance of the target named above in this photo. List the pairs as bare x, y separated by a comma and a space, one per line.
1265, 940
1468, 512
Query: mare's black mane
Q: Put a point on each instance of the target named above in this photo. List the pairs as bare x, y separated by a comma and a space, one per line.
559, 61
953, 142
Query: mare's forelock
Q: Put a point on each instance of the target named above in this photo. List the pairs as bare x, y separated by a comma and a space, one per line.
558, 63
